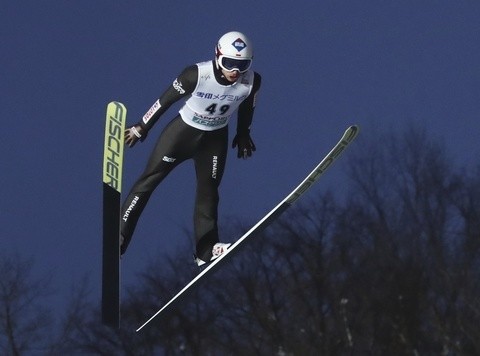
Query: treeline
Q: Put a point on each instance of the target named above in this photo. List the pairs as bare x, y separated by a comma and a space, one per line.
391, 267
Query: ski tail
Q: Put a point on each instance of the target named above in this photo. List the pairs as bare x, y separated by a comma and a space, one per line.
112, 189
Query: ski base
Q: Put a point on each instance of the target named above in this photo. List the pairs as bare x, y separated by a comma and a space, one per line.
349, 135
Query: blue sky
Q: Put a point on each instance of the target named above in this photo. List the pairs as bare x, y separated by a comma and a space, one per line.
325, 65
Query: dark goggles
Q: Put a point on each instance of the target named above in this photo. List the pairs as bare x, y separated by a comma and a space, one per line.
232, 64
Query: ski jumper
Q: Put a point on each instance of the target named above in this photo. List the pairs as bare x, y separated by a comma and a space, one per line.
198, 132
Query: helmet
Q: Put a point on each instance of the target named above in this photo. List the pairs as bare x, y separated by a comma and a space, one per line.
234, 51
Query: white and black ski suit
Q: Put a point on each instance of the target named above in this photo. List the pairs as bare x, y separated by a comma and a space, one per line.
198, 132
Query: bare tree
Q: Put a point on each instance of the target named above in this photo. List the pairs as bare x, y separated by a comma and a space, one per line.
408, 231
25, 322
391, 268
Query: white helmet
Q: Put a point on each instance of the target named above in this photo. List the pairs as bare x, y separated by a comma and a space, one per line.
234, 51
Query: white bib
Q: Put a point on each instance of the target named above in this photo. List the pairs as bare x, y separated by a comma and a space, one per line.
211, 104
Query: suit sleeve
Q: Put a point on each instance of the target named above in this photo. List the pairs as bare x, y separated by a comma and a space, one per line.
182, 87
247, 107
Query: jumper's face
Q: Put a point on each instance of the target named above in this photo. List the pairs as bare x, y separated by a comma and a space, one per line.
231, 76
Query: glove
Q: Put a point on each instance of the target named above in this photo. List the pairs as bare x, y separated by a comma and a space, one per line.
245, 145
133, 134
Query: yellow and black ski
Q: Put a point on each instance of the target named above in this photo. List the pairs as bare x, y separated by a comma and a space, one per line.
112, 189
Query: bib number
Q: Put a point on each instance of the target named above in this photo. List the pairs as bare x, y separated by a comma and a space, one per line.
212, 109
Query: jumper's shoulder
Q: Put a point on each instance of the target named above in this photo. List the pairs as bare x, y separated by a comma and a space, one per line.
257, 80
189, 73
187, 80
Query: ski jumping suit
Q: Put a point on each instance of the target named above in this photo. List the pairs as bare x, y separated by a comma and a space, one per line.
198, 132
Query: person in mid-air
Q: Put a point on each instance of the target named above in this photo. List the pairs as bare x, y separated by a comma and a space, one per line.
212, 90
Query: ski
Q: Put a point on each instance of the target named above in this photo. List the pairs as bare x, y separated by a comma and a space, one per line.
349, 135
112, 189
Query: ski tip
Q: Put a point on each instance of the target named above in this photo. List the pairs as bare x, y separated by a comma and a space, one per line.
116, 102
351, 133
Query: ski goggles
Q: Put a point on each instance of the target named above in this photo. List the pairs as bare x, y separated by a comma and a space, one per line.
232, 64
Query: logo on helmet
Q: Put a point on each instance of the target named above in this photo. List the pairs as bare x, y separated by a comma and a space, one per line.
239, 44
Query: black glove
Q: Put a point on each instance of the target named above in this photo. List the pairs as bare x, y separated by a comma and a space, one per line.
244, 143
133, 134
